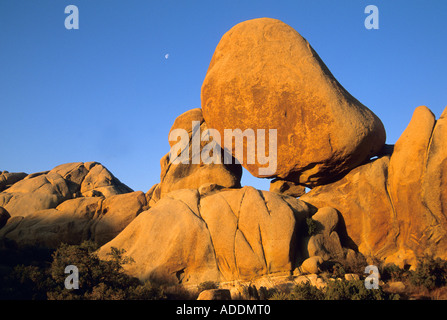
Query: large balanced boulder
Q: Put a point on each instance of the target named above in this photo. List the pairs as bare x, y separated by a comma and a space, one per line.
264, 75
192, 236
393, 206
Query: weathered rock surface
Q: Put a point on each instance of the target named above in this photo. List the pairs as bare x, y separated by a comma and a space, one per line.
215, 294
100, 181
46, 190
325, 243
71, 203
311, 265
7, 179
190, 175
264, 75
97, 219
4, 216
362, 199
393, 206
225, 235
288, 188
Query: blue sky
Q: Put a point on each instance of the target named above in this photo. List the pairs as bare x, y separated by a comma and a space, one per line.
107, 93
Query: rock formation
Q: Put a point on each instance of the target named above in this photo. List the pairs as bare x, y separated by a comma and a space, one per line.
7, 179
198, 224
71, 203
46, 190
4, 216
190, 175
222, 235
287, 187
393, 206
264, 75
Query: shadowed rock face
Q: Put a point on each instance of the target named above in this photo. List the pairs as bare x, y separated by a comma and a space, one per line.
393, 206
7, 179
264, 75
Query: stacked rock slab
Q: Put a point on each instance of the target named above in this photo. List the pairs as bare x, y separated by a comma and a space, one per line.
393, 206
7, 179
265, 75
287, 187
192, 175
192, 236
46, 190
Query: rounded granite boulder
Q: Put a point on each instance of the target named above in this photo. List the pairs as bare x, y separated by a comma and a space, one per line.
264, 75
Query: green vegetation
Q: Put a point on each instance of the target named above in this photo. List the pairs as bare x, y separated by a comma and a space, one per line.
430, 273
304, 291
427, 281
34, 274
391, 272
99, 279
207, 285
355, 290
312, 226
334, 290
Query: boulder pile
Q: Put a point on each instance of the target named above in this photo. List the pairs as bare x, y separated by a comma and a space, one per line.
71, 203
394, 206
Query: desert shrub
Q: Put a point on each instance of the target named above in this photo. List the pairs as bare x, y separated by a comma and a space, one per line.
178, 292
278, 295
354, 290
98, 279
11, 255
25, 283
312, 226
392, 272
306, 291
21, 276
334, 290
146, 291
264, 293
287, 293
250, 292
430, 272
280, 292
338, 271
207, 285
439, 293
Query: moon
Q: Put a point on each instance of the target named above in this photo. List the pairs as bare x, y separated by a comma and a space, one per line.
166, 55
